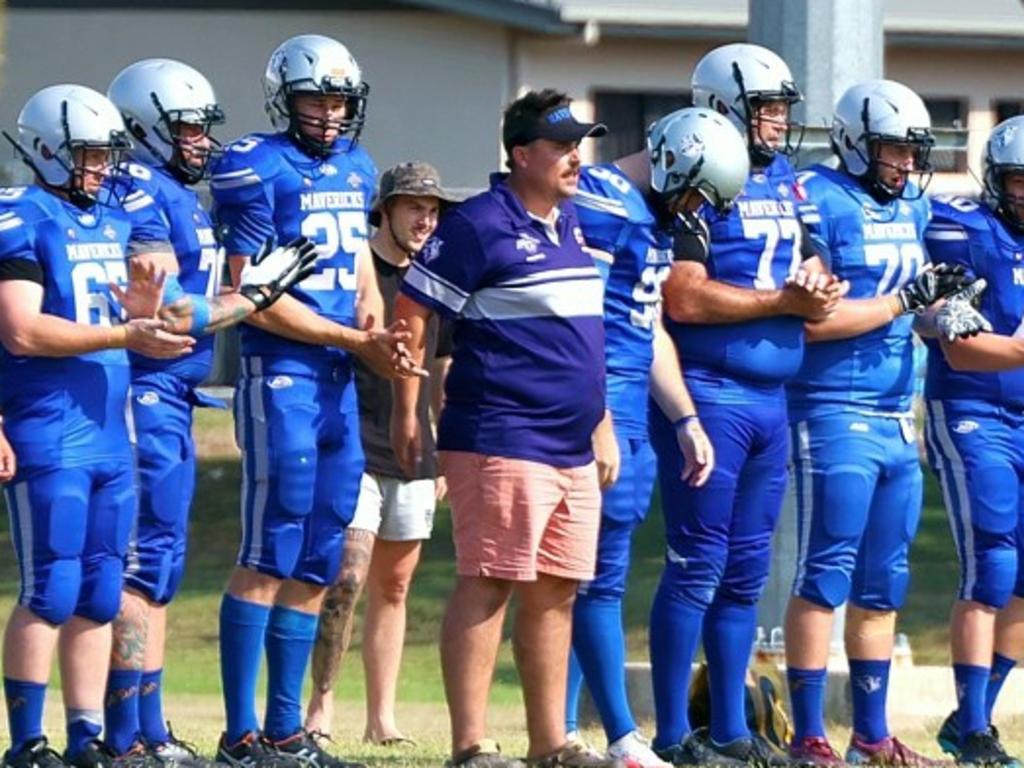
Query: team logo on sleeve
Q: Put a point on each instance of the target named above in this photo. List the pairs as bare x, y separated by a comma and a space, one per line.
431, 250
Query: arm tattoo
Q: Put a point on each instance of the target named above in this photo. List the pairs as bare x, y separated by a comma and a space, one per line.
338, 611
225, 311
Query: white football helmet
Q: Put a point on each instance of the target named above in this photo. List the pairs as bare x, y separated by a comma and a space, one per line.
696, 148
313, 64
1004, 153
734, 79
60, 119
876, 112
155, 97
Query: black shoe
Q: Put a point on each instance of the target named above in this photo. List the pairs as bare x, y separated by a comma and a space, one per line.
949, 734
305, 747
99, 754
35, 753
175, 753
252, 751
751, 750
692, 750
982, 748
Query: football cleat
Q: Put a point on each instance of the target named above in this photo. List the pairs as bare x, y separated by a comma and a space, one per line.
814, 751
35, 753
305, 747
253, 751
983, 749
634, 748
888, 751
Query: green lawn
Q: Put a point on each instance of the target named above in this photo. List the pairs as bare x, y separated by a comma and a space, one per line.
192, 671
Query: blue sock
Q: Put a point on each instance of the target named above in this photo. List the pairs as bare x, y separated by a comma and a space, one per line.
729, 631
807, 700
24, 711
151, 708
971, 685
572, 693
243, 626
600, 646
290, 638
121, 709
869, 683
1001, 666
674, 635
83, 726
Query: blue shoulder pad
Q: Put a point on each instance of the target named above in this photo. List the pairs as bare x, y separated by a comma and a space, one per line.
18, 218
246, 164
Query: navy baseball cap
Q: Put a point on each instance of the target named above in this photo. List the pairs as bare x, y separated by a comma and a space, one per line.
555, 124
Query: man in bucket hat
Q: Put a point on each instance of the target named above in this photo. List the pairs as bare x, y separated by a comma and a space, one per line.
395, 511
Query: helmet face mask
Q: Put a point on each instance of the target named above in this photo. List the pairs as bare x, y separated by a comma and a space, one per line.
763, 151
73, 139
163, 101
315, 65
881, 132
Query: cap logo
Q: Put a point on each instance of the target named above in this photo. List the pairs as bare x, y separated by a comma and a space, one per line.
558, 115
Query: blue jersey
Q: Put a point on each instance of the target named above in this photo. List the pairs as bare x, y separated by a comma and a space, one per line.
756, 245
67, 411
616, 219
166, 213
266, 187
967, 233
878, 248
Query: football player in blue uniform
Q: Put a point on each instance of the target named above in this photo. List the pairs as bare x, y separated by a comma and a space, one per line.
631, 212
295, 408
169, 109
853, 439
737, 323
975, 396
65, 386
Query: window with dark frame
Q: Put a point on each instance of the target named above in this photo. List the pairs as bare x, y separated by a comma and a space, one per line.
1004, 109
949, 121
628, 114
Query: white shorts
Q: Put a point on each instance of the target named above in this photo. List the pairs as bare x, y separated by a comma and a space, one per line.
395, 509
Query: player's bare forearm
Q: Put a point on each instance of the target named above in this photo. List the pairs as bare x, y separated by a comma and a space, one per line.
369, 302
690, 296
334, 630
668, 387
224, 311
292, 319
853, 317
984, 352
51, 336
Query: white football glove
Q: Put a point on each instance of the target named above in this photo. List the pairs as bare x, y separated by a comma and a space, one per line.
957, 318
271, 273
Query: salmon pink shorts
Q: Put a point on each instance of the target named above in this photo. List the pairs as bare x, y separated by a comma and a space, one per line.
513, 518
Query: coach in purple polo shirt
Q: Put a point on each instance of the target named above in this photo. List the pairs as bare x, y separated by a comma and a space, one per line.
523, 397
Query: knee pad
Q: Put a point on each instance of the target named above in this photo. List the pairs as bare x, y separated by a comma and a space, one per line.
829, 588
100, 596
166, 493
995, 571
686, 586
54, 593
296, 480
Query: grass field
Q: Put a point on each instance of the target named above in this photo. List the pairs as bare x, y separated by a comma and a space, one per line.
192, 673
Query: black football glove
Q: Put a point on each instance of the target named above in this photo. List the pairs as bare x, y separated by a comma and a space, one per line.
932, 284
272, 272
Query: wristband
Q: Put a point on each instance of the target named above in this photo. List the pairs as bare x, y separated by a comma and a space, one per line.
200, 314
683, 420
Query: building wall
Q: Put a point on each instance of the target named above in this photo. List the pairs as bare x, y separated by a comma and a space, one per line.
438, 82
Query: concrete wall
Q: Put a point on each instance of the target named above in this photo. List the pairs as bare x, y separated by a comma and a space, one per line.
438, 82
